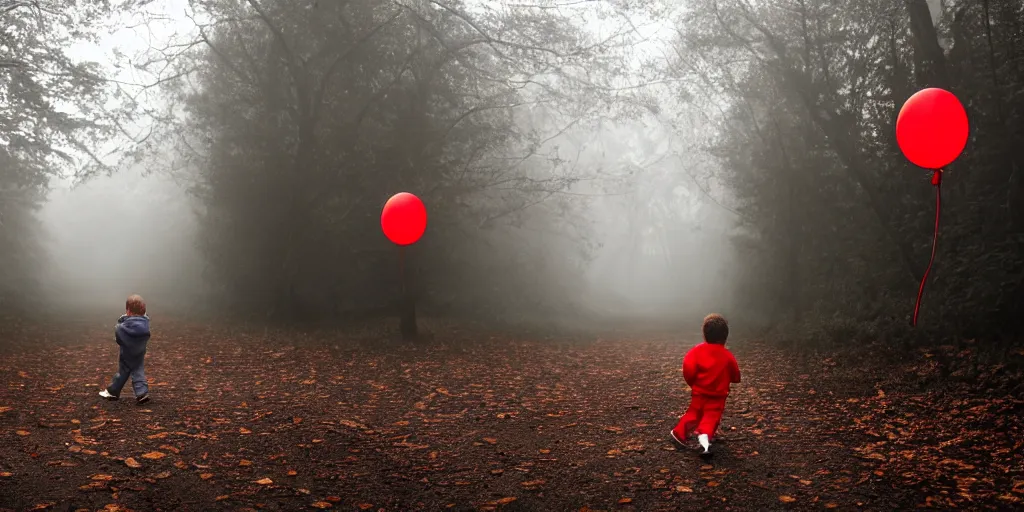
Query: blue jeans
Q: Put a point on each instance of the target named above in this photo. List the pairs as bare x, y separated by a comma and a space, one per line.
138, 375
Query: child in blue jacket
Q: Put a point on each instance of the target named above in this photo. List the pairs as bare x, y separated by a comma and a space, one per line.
132, 335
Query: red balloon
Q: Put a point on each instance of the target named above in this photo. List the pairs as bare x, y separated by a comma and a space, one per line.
932, 128
404, 219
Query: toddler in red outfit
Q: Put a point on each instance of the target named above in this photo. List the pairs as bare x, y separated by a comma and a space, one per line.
709, 369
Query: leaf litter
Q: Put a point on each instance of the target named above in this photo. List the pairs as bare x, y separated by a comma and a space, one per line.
548, 423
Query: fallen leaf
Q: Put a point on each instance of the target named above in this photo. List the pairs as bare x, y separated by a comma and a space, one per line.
154, 455
222, 497
831, 505
623, 501
264, 481
292, 472
43, 506
786, 499
105, 478
533, 483
490, 440
161, 475
505, 501
683, 488
243, 430
206, 476
5, 409
6, 474
22, 432
333, 499
321, 505
244, 462
351, 424
132, 463
365, 506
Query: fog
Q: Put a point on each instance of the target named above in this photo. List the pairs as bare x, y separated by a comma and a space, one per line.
660, 245
116, 235
664, 243
580, 161
613, 211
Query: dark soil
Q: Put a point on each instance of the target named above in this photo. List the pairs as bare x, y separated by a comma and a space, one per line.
243, 420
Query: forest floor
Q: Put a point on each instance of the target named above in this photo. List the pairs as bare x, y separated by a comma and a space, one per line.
254, 420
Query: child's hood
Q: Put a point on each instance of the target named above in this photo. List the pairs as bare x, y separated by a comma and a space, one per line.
135, 326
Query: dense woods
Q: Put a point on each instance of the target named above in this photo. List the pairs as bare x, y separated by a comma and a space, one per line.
599, 175
838, 223
304, 117
293, 122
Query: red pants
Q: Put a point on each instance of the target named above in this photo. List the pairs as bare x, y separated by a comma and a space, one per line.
702, 417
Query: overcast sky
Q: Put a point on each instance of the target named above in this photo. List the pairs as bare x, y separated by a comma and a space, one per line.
166, 20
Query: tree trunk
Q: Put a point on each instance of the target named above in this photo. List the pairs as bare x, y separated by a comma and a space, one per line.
842, 134
407, 322
792, 290
930, 61
407, 306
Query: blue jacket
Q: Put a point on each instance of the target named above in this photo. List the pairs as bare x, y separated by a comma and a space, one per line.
132, 334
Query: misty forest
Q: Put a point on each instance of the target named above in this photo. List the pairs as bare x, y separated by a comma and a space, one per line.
599, 175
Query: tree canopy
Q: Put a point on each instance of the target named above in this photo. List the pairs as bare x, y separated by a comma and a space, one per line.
838, 223
767, 123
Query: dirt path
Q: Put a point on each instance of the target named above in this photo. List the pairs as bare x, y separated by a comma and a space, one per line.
242, 422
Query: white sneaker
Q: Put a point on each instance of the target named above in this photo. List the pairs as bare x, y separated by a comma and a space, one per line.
107, 395
704, 443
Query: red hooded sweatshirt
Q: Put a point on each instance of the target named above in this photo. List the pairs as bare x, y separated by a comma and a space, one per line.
709, 368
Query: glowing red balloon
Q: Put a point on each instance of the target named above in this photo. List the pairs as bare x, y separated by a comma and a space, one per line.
404, 219
932, 128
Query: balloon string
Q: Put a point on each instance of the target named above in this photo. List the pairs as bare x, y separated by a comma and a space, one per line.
937, 181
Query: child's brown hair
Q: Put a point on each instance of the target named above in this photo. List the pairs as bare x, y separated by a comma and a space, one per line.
134, 305
716, 329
